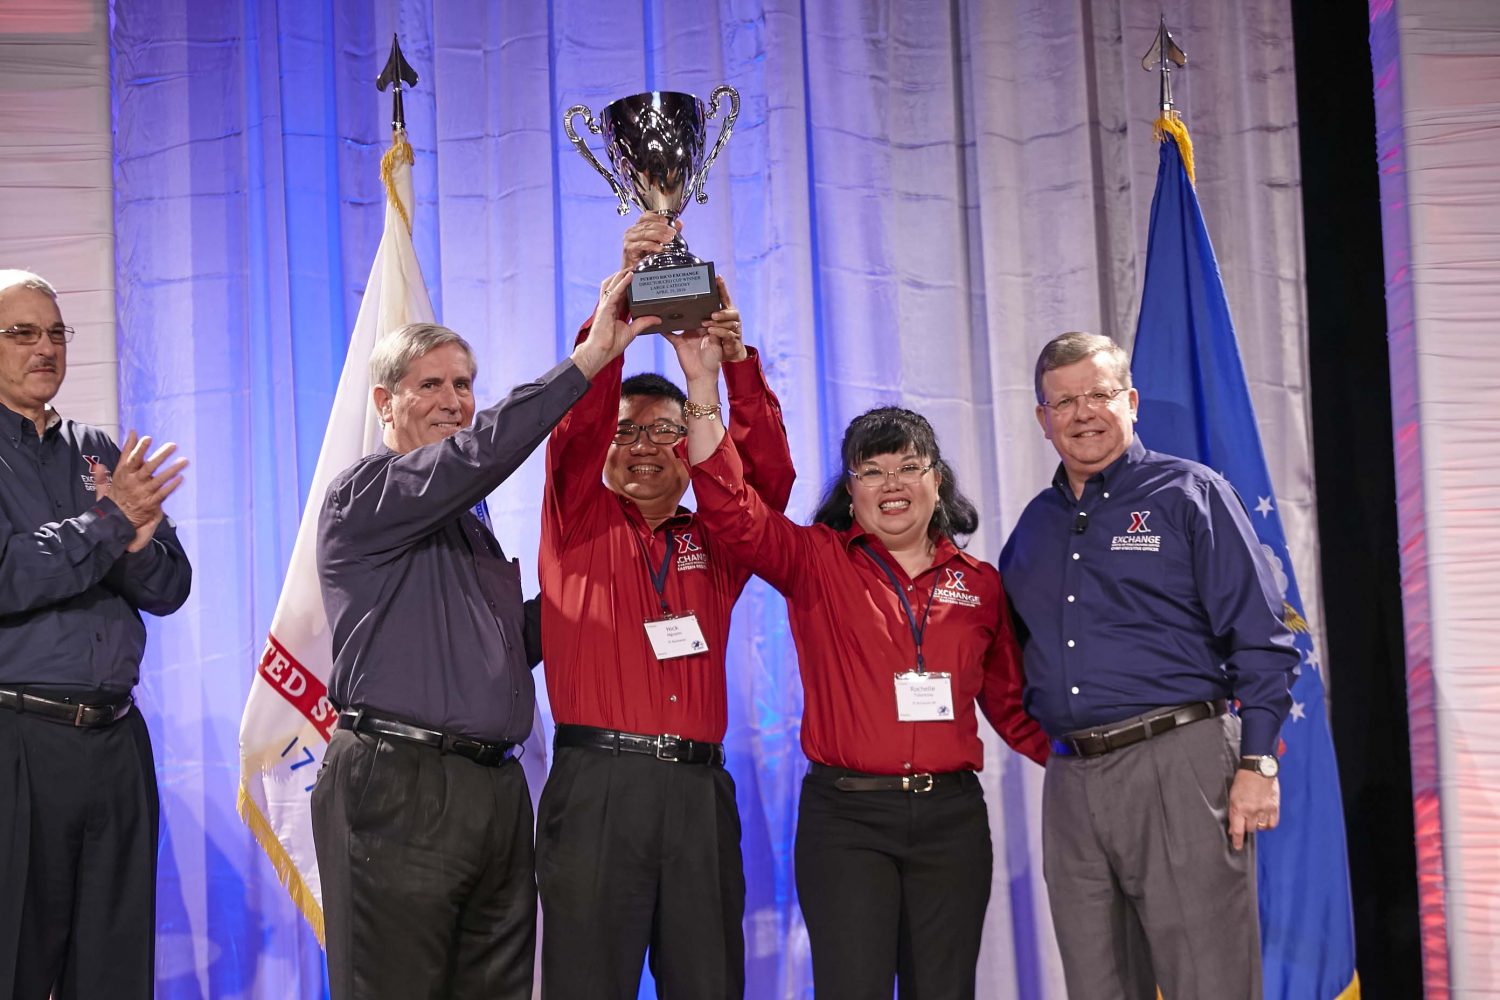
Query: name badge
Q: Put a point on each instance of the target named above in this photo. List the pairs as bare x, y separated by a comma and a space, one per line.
924, 697
674, 636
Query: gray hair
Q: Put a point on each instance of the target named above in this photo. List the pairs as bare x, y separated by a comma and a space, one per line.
395, 352
1070, 348
11, 277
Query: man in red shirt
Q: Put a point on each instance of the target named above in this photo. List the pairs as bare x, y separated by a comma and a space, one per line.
638, 835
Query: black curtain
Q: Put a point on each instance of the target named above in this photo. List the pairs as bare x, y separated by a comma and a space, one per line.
1351, 404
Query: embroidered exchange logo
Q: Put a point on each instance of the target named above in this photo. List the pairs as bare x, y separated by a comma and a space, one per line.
690, 554
88, 477
954, 590
1137, 537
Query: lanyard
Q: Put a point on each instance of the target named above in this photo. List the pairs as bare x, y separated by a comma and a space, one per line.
659, 576
917, 631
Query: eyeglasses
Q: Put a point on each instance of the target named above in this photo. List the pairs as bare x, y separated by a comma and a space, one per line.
1098, 397
27, 334
875, 478
661, 432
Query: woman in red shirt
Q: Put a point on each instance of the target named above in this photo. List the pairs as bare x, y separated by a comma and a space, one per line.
899, 635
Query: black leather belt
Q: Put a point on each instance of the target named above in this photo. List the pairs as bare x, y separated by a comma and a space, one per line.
480, 752
853, 781
1093, 742
95, 716
666, 747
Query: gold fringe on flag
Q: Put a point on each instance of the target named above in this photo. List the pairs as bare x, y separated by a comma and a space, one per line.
281, 861
1170, 124
401, 152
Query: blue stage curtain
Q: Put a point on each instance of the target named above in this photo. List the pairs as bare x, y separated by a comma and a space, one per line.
917, 195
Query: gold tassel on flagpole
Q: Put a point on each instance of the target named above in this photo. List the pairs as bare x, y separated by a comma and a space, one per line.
1170, 124
401, 152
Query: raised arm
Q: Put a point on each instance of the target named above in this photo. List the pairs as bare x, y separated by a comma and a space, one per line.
755, 421
760, 538
402, 497
579, 444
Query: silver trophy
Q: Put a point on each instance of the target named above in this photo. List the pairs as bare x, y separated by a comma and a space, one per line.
655, 143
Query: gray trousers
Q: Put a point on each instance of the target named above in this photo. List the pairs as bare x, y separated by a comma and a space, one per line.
1146, 889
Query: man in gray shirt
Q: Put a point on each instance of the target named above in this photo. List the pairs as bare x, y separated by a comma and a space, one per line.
421, 815
84, 549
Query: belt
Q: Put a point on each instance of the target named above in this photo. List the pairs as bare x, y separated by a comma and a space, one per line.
1093, 742
66, 712
853, 781
480, 752
666, 747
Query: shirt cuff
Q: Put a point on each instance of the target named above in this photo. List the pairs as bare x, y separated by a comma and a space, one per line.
106, 522
1259, 729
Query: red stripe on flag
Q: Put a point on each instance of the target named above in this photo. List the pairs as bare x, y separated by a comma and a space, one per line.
299, 686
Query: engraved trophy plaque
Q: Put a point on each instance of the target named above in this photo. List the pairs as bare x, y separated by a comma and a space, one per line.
655, 142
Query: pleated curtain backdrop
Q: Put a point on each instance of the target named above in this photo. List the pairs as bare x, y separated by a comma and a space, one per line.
917, 196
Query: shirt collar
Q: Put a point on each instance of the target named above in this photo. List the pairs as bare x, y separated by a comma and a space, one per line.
13, 424
681, 519
1108, 476
944, 551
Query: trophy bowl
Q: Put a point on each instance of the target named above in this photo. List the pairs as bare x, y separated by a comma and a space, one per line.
655, 144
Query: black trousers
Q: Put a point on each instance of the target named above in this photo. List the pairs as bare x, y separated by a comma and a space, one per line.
426, 864
893, 887
78, 826
637, 855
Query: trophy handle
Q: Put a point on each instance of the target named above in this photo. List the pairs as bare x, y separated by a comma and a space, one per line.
587, 154
724, 130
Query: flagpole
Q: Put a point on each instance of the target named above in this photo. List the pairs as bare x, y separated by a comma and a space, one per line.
289, 717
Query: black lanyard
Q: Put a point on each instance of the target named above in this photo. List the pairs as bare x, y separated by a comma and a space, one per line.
917, 631
659, 576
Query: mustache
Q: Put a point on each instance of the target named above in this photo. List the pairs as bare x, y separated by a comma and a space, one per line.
42, 366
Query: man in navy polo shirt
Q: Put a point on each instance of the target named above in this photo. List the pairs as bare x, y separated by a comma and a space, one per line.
84, 549
1146, 608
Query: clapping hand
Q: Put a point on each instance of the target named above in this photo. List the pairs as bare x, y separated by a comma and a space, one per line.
139, 485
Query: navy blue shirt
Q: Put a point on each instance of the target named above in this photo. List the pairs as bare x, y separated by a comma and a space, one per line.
70, 595
1150, 590
426, 610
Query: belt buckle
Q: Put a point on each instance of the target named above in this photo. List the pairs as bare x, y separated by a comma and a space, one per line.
908, 785
78, 717
662, 745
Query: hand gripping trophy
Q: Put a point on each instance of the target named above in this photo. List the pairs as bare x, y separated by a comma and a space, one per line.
655, 143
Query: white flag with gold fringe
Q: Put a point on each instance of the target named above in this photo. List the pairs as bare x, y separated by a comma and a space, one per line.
288, 719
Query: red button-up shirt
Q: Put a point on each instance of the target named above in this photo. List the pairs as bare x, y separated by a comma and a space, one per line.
597, 591
853, 637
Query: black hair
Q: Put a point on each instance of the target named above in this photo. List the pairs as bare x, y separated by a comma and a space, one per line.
652, 385
888, 430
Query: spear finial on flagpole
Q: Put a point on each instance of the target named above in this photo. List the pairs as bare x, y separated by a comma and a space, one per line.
397, 72
1164, 52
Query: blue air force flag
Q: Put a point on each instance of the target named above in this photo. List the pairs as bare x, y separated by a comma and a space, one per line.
1195, 402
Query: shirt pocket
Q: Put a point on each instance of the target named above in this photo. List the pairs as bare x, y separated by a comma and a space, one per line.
501, 580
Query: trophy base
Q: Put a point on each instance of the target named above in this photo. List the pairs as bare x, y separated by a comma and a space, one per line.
682, 296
